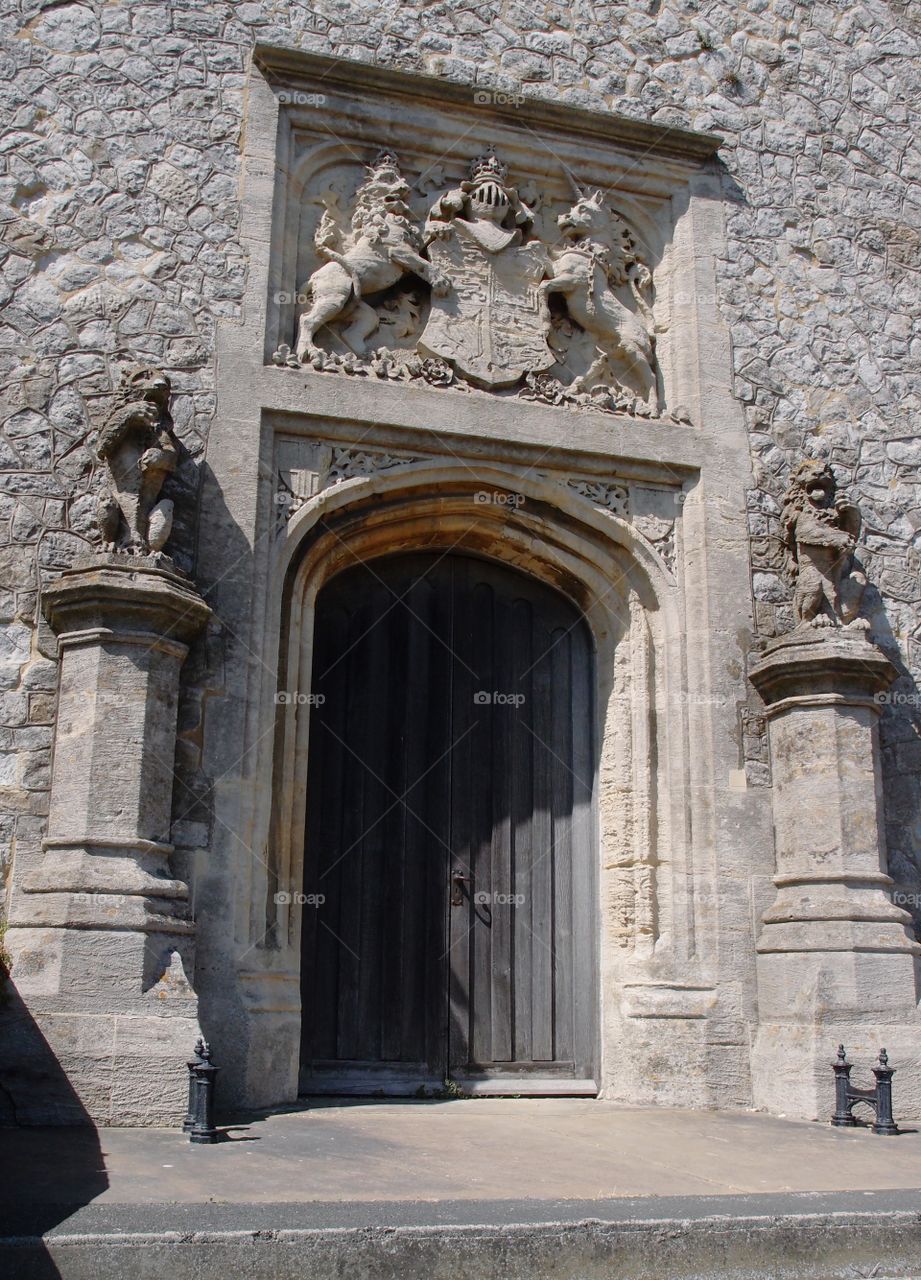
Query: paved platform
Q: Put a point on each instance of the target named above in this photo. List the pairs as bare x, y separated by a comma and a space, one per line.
541, 1188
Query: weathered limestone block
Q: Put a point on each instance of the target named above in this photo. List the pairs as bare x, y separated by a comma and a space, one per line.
837, 960
100, 932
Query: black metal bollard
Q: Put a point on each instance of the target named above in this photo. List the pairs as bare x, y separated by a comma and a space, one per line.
195, 1061
884, 1073
880, 1098
843, 1117
202, 1076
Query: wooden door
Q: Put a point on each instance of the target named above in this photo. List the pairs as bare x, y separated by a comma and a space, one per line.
449, 922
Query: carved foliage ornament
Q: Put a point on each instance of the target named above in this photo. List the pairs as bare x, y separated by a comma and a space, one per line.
471, 295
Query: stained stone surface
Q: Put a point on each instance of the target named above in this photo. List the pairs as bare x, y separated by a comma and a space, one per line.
120, 238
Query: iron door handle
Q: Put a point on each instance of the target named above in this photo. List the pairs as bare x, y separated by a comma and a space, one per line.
458, 880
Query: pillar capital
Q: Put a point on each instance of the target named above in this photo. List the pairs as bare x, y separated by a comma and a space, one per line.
821, 665
122, 596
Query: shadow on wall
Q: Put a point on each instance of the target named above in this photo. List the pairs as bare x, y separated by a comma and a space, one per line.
900, 750
44, 1182
206, 851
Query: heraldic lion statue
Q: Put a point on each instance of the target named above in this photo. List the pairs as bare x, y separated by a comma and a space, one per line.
381, 245
820, 530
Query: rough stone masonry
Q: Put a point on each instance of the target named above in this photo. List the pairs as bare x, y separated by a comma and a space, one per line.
121, 242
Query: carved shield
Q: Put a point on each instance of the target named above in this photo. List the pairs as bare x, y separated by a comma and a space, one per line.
489, 325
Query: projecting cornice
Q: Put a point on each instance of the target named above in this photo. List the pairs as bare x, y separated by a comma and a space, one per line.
313, 72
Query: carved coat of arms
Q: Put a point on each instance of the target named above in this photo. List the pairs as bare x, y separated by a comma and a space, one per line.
490, 324
478, 279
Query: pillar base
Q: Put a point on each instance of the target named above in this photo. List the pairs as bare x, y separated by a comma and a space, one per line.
837, 960
102, 1015
87, 1038
792, 1075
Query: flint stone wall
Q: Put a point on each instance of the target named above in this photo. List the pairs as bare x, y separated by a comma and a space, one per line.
118, 239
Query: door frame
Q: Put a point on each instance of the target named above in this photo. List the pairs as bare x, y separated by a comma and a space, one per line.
633, 608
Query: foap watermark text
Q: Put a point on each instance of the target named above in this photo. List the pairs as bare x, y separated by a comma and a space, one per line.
496, 698
285, 698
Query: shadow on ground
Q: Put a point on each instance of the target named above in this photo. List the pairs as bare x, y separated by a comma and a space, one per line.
38, 1188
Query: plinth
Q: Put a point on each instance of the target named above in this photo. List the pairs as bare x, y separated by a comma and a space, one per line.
100, 932
836, 959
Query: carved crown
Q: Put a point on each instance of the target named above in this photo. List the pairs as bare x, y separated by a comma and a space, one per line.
488, 167
385, 163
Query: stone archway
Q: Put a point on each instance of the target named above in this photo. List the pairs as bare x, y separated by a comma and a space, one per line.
631, 607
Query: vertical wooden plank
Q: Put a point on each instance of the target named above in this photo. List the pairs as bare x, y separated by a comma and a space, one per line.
351, 863
401, 732
319, 959
436, 800
320, 779
418, 685
522, 806
371, 749
541, 848
560, 871
468, 734
480, 802
499, 957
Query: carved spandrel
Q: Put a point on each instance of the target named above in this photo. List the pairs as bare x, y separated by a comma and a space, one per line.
331, 465
613, 497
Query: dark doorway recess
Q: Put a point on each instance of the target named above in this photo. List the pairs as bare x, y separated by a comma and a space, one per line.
449, 924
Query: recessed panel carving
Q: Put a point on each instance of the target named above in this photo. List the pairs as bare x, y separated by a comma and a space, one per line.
503, 271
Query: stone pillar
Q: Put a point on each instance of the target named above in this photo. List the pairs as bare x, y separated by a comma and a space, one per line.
100, 932
836, 958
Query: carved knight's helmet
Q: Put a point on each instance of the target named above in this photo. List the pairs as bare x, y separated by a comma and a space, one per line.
385, 168
488, 192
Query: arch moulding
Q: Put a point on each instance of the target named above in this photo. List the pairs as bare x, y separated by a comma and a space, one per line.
632, 603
